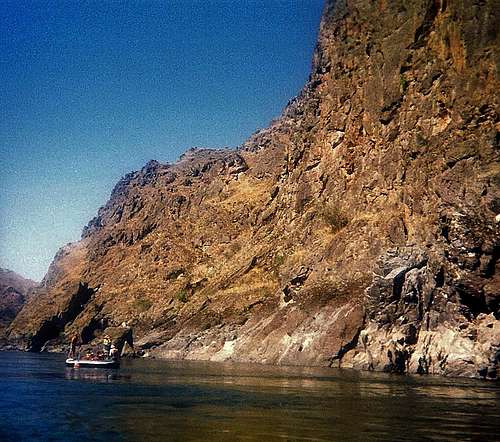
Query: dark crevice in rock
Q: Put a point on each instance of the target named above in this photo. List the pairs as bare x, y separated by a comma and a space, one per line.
439, 278
389, 112
48, 331
490, 268
351, 345
445, 233
398, 361
399, 279
300, 277
474, 303
51, 328
451, 162
296, 282
287, 295
88, 332
424, 29
397, 287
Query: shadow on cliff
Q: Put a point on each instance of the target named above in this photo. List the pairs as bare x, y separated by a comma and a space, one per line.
51, 328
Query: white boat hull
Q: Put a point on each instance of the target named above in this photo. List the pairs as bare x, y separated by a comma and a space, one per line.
108, 363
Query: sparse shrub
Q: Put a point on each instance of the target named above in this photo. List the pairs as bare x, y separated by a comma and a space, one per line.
334, 217
142, 305
182, 295
279, 260
235, 247
403, 83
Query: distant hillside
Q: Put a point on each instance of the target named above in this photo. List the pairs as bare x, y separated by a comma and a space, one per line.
14, 291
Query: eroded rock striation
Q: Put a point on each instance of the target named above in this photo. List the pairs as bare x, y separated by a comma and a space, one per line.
360, 228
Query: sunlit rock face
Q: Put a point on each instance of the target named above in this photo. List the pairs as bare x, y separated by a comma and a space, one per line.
359, 229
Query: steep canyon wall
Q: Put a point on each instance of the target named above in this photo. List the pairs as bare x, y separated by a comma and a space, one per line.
359, 229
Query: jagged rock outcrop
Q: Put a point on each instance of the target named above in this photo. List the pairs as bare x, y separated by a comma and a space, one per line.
358, 229
14, 292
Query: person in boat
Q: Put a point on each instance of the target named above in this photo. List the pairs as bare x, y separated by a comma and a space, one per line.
113, 352
74, 348
106, 345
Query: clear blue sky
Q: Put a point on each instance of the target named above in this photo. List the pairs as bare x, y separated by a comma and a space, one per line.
91, 90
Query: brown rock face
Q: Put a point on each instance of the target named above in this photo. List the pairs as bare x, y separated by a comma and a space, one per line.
357, 229
14, 291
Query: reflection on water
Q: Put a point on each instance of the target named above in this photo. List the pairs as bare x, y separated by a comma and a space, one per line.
158, 400
95, 375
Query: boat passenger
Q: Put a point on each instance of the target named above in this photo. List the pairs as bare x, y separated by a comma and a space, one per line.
106, 344
113, 352
75, 343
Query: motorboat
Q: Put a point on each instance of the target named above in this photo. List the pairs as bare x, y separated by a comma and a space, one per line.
93, 363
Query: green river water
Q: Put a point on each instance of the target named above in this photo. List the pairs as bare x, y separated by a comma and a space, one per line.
146, 400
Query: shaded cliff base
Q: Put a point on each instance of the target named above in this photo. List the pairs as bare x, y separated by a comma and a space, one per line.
407, 321
396, 332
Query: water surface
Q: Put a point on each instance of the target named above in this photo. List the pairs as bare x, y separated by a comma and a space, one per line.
41, 399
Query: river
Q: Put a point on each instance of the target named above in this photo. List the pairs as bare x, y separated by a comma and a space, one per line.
41, 399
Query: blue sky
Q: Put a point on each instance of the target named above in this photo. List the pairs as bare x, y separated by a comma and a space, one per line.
94, 89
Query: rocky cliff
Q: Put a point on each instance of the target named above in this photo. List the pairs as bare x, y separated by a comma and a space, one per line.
359, 229
14, 292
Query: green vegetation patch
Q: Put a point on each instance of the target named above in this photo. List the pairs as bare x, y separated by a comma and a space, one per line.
142, 305
333, 216
403, 83
182, 295
279, 260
